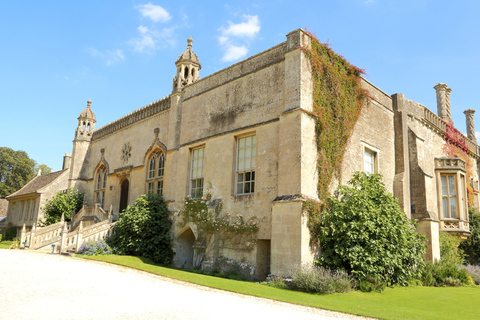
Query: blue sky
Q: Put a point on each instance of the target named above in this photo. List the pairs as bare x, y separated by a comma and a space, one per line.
57, 54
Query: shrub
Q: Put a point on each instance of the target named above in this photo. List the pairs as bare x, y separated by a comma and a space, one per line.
449, 250
15, 243
10, 233
94, 248
62, 203
276, 283
473, 272
364, 232
371, 284
313, 278
143, 229
471, 246
0, 237
439, 274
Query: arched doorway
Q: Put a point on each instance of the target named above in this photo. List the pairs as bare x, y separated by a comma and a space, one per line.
124, 195
184, 249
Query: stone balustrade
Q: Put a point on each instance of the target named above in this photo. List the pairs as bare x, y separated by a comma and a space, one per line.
439, 124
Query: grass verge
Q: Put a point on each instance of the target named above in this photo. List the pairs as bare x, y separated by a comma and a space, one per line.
394, 303
5, 244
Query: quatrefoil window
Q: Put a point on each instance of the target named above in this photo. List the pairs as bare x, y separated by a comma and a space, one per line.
126, 152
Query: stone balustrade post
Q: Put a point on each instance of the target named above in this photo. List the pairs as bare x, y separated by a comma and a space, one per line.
79, 236
64, 238
32, 236
22, 235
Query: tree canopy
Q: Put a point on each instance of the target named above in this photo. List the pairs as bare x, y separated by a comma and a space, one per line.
16, 169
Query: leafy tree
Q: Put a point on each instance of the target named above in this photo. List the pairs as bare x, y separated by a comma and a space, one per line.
64, 203
364, 231
16, 169
471, 246
45, 169
143, 229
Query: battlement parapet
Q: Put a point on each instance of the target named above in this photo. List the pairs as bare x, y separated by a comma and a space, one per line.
134, 116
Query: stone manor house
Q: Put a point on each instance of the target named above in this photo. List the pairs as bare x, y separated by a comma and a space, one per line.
244, 132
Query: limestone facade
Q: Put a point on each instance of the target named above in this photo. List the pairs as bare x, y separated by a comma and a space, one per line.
260, 105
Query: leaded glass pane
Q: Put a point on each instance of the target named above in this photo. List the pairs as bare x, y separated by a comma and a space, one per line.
161, 165
445, 207
151, 168
104, 180
451, 185
453, 207
444, 186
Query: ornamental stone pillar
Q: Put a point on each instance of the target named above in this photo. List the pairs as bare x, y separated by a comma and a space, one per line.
443, 102
470, 125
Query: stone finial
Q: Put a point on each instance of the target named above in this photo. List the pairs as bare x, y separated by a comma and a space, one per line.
470, 124
39, 172
190, 41
156, 131
443, 102
89, 102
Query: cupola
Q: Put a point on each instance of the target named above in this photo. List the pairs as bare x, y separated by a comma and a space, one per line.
188, 68
86, 123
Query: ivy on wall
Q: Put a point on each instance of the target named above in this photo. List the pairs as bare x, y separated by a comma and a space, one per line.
338, 98
455, 147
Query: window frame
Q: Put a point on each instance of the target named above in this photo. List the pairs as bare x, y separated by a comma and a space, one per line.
367, 148
154, 181
249, 172
196, 182
100, 186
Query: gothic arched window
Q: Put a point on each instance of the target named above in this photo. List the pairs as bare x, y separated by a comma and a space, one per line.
100, 186
156, 169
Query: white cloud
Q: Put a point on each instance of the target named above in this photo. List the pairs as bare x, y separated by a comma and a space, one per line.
248, 28
154, 12
150, 40
109, 56
477, 134
235, 38
234, 53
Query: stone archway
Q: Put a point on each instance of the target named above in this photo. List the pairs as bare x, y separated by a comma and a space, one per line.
124, 195
184, 249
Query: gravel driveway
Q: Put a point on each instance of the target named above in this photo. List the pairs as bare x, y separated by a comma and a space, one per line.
43, 286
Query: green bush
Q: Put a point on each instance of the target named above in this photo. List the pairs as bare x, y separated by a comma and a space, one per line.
371, 284
15, 243
10, 233
313, 278
1, 237
364, 231
143, 229
450, 252
62, 203
471, 246
439, 274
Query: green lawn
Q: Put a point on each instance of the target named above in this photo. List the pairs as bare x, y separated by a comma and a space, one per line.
5, 244
394, 303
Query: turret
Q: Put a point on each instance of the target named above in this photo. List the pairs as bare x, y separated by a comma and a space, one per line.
86, 123
188, 68
79, 160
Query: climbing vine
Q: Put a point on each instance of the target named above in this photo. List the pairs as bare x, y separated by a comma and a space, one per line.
455, 146
214, 230
338, 98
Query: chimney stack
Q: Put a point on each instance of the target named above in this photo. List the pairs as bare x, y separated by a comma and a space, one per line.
470, 125
443, 102
66, 161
